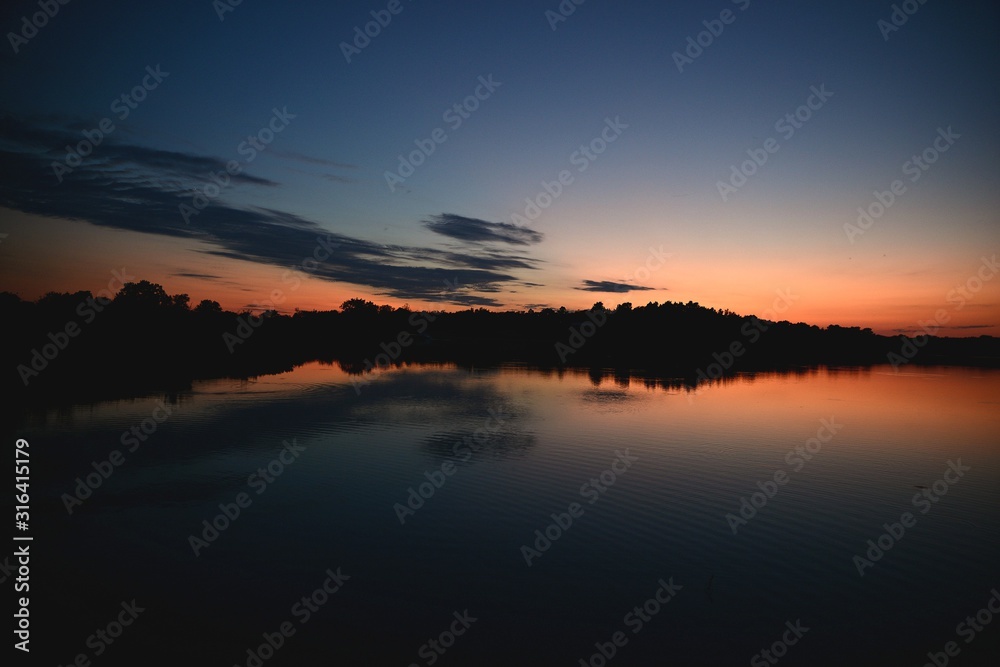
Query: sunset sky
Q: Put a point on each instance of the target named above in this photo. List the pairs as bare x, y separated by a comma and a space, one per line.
642, 138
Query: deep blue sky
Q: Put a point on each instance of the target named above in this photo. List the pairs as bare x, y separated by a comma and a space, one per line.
656, 185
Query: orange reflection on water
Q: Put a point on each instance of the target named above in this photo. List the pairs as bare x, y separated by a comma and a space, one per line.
947, 406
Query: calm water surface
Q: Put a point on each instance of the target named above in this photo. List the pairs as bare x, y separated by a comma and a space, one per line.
855, 449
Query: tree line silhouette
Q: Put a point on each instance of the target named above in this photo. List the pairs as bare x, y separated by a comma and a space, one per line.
76, 345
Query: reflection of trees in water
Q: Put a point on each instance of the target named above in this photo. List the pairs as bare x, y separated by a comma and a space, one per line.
145, 339
622, 379
359, 367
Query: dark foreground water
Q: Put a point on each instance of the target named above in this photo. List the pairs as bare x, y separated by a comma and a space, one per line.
696, 528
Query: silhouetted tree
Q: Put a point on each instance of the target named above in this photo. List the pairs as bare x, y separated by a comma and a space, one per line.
145, 337
207, 306
358, 306
143, 294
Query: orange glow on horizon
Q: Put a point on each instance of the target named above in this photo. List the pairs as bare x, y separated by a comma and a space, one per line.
86, 257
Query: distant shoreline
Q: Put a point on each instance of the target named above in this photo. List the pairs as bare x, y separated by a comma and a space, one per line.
75, 347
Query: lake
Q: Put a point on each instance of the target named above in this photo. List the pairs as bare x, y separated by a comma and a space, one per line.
510, 516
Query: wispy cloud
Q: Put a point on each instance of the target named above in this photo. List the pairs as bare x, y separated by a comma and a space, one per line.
473, 230
613, 287
140, 189
200, 276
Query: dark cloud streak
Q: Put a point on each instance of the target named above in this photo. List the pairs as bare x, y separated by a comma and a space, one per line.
611, 287
140, 189
473, 230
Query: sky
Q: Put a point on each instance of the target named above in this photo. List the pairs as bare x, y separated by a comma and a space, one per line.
511, 155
